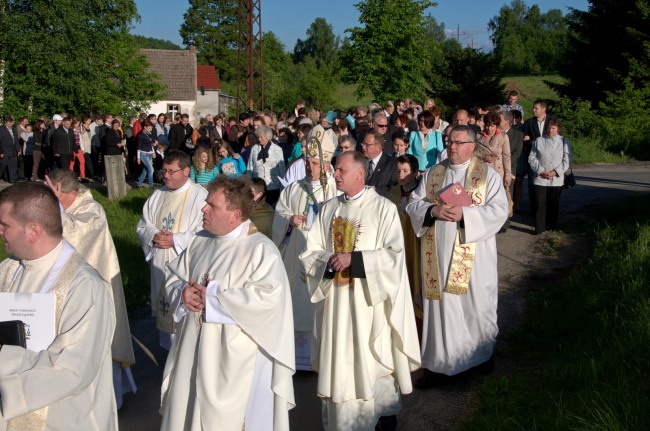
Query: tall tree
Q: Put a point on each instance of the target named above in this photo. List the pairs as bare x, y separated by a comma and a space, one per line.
608, 50
277, 63
467, 76
321, 44
212, 27
526, 40
153, 43
385, 57
72, 57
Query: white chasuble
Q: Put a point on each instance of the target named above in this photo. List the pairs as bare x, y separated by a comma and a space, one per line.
178, 211
243, 352
86, 228
459, 331
305, 198
70, 382
364, 328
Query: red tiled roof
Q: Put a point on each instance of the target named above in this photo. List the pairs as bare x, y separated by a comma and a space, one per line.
206, 77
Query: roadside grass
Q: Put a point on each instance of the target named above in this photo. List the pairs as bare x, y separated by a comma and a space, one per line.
581, 360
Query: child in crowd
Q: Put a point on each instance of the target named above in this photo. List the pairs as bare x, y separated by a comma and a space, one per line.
228, 162
203, 169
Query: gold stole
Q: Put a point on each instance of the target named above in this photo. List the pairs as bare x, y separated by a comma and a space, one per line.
463, 255
36, 420
171, 211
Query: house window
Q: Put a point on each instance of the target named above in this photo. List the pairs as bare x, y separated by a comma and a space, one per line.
173, 110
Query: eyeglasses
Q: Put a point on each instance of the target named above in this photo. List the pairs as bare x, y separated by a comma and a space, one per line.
460, 142
382, 125
170, 171
368, 145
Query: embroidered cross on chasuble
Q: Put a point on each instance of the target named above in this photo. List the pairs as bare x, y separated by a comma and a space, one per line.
463, 255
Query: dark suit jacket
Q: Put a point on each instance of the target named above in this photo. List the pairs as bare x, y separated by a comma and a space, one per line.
516, 139
8, 146
62, 141
178, 135
383, 176
531, 130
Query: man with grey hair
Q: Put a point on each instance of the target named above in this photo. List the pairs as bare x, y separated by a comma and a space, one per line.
355, 270
459, 259
85, 227
68, 385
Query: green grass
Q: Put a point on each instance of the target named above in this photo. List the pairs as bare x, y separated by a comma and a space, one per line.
531, 88
345, 97
123, 216
581, 361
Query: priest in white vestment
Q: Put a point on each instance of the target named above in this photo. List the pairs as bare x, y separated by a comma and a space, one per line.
69, 385
365, 342
459, 261
295, 212
86, 228
231, 363
170, 219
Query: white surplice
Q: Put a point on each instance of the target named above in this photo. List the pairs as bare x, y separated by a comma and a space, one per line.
72, 378
459, 331
86, 228
304, 197
365, 341
184, 224
237, 366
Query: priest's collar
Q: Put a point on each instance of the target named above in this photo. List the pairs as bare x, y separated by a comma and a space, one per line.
44, 262
182, 188
460, 167
315, 182
239, 231
357, 196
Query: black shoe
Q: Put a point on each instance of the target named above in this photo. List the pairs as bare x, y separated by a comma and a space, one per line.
430, 379
387, 423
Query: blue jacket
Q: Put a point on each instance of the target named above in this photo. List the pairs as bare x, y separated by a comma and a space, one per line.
426, 158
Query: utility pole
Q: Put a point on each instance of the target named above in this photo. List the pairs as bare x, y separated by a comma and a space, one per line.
249, 54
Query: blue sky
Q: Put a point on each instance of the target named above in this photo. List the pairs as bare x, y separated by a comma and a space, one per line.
289, 19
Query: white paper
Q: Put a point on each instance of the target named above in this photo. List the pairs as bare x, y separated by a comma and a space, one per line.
36, 310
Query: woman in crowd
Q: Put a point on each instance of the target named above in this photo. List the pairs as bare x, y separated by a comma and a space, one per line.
228, 162
218, 132
37, 152
499, 146
85, 137
203, 169
267, 162
301, 140
77, 153
550, 158
162, 130
439, 124
146, 153
425, 143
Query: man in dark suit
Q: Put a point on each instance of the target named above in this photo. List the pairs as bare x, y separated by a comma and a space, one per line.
63, 143
533, 129
381, 127
381, 167
516, 139
9, 149
179, 134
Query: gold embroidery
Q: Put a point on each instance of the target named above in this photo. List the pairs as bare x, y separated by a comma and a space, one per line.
344, 237
463, 254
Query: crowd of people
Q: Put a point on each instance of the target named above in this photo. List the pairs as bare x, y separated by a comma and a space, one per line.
357, 244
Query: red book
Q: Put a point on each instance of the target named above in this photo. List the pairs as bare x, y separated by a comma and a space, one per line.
455, 194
